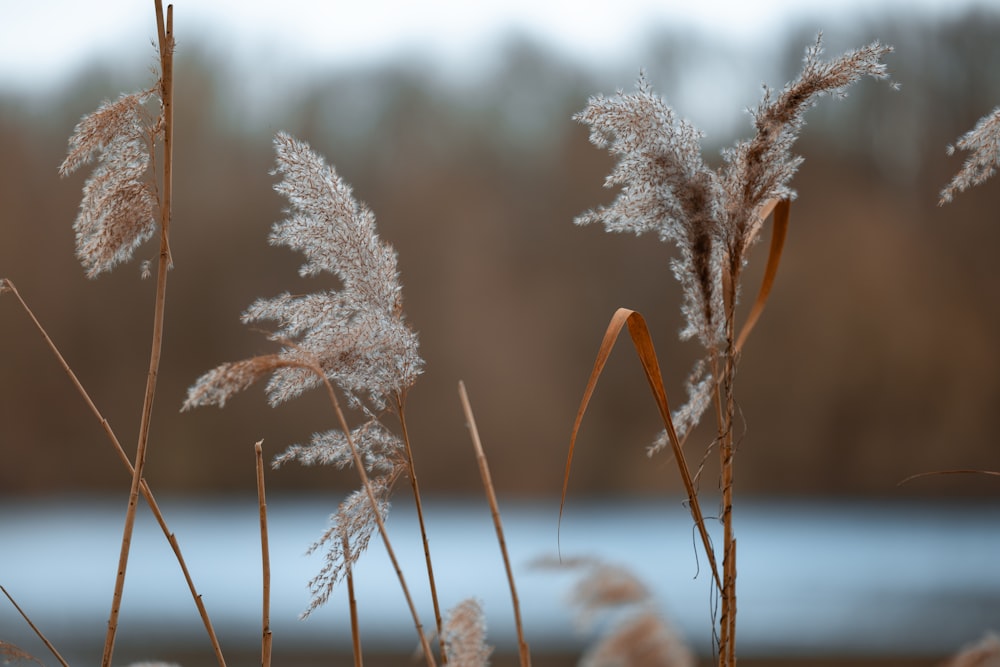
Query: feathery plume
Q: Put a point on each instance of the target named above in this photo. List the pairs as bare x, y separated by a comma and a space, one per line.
226, 380
643, 640
11, 654
639, 636
983, 144
984, 653
347, 537
355, 336
465, 635
603, 587
379, 448
713, 217
358, 333
117, 213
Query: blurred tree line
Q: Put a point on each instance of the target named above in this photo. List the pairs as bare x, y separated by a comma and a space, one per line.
875, 359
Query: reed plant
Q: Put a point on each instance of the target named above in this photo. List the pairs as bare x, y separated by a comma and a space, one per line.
713, 217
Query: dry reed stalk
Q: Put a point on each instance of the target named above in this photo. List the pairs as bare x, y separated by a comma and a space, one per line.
484, 472
147, 493
165, 29
418, 502
35, 629
352, 604
265, 560
359, 464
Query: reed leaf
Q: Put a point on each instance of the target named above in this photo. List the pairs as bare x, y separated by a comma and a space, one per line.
781, 212
641, 340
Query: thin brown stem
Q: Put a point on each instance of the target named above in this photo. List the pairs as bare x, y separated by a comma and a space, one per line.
352, 603
366, 483
730, 570
147, 493
726, 411
484, 472
265, 559
34, 628
400, 409
166, 48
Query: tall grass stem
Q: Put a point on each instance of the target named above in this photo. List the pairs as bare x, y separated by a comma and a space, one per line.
265, 560
484, 472
147, 492
166, 48
414, 484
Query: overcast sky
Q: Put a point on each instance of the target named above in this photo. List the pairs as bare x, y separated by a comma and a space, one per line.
44, 41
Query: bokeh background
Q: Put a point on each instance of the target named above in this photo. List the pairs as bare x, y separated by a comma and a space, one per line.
876, 358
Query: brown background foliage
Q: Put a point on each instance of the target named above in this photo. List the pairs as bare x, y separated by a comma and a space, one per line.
876, 357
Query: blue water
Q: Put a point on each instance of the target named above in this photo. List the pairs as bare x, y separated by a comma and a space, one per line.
814, 578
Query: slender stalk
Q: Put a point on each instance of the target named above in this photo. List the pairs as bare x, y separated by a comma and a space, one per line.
38, 632
147, 493
166, 47
352, 603
484, 472
366, 482
400, 402
265, 559
726, 412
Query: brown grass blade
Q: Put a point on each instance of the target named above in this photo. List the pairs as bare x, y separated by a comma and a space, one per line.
781, 213
643, 344
994, 473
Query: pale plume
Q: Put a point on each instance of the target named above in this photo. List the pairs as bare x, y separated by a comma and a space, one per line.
983, 144
642, 640
983, 653
118, 210
347, 537
712, 216
11, 654
354, 337
357, 335
465, 635
638, 636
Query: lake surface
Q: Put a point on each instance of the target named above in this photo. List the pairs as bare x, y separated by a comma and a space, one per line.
815, 578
